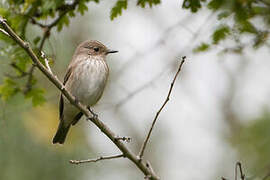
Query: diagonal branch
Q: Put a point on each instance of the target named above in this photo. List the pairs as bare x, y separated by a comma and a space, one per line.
96, 160
103, 127
163, 105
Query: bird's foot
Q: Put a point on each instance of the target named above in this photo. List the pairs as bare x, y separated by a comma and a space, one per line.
95, 116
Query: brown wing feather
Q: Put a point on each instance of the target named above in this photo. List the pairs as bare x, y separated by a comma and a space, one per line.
61, 103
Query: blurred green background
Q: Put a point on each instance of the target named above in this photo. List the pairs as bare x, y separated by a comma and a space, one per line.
218, 113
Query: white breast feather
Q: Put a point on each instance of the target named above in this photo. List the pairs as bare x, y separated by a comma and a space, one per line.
89, 79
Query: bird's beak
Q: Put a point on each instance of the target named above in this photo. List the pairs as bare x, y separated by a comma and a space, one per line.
111, 51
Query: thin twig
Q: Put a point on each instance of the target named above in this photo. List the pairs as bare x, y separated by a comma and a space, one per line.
46, 62
95, 160
28, 85
242, 175
15, 66
62, 12
82, 108
46, 34
4, 32
163, 105
33, 21
124, 138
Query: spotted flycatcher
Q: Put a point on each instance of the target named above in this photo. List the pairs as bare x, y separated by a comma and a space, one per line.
85, 79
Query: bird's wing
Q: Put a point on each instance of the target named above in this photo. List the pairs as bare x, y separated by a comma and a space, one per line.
61, 103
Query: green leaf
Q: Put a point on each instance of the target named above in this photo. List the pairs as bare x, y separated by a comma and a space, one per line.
117, 9
223, 15
8, 89
48, 6
36, 40
215, 4
37, 96
19, 57
96, 1
71, 13
220, 34
193, 5
82, 7
246, 26
4, 12
202, 47
64, 21
143, 3
260, 10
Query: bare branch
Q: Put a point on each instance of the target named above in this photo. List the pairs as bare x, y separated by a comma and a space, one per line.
82, 108
96, 160
163, 105
242, 175
4, 32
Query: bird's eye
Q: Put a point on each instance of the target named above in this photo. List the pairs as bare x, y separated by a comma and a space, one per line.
96, 49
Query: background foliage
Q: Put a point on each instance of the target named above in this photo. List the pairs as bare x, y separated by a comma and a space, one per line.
239, 25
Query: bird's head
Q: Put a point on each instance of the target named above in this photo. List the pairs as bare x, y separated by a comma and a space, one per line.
93, 48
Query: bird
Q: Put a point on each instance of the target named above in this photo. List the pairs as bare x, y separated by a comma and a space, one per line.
85, 79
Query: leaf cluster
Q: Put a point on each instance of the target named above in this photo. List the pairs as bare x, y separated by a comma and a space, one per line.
235, 19
20, 14
121, 5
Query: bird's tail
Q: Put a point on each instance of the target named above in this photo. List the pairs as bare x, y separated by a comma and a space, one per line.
61, 133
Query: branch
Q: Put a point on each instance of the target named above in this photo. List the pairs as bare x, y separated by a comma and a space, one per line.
163, 105
82, 108
63, 11
46, 35
28, 85
46, 62
96, 160
4, 32
242, 175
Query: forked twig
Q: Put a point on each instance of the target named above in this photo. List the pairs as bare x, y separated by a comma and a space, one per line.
163, 105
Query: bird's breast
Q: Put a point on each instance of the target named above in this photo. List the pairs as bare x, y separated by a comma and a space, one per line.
88, 80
